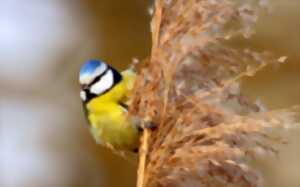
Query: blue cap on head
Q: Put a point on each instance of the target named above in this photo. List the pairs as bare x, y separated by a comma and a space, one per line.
90, 70
90, 66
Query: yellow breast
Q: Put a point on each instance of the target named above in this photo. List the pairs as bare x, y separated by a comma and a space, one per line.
109, 122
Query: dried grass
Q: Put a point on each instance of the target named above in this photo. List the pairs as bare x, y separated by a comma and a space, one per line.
206, 130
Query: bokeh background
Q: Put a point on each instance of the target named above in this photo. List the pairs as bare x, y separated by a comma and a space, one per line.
44, 139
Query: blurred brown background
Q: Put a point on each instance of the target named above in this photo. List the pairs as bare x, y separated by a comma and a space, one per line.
43, 137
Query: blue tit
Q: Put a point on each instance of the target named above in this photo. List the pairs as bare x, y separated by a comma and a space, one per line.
105, 93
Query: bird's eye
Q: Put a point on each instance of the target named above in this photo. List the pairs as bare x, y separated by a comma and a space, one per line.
96, 79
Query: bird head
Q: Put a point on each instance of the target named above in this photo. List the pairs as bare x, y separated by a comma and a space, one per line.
96, 78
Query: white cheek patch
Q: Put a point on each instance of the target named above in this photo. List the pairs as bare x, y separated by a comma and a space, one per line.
89, 77
105, 83
83, 95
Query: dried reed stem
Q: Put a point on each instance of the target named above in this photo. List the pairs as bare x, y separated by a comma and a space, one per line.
206, 129
142, 158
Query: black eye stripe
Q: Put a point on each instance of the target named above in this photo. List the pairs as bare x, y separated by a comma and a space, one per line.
117, 77
98, 77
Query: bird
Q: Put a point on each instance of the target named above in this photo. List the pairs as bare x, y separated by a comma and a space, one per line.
105, 94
